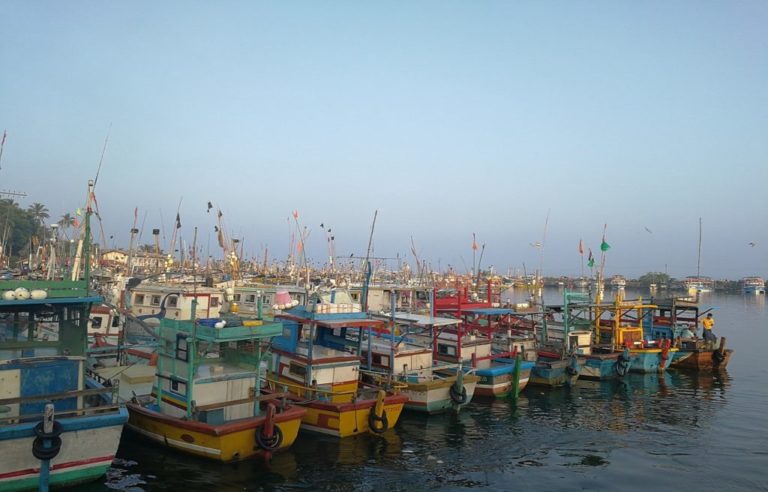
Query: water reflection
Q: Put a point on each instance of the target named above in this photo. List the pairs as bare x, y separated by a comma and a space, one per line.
640, 400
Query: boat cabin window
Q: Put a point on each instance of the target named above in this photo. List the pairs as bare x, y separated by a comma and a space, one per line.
297, 369
182, 352
96, 322
139, 299
380, 360
214, 302
115, 321
236, 298
155, 301
173, 301
178, 387
446, 349
250, 298
268, 300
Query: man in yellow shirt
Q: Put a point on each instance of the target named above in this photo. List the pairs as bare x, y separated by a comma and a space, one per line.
707, 323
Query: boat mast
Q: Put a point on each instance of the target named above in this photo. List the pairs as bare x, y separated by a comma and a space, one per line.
698, 260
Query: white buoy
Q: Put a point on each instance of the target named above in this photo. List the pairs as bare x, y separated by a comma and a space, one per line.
38, 294
9, 295
22, 294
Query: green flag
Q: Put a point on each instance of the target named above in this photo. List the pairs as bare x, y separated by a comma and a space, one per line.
591, 260
604, 246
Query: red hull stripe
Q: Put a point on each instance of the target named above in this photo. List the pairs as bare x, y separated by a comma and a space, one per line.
59, 466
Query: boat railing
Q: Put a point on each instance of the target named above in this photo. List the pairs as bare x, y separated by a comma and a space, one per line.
395, 382
215, 406
498, 355
310, 392
84, 408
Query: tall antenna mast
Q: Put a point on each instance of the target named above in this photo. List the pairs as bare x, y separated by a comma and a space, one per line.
698, 260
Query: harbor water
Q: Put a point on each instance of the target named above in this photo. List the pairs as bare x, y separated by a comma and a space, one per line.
670, 431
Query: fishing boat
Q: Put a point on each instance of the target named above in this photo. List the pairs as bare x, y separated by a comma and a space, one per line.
59, 425
581, 283
470, 339
698, 284
753, 285
207, 398
562, 345
671, 319
259, 299
618, 282
602, 361
628, 324
317, 361
405, 353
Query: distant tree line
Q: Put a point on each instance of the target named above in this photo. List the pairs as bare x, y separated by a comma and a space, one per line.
23, 230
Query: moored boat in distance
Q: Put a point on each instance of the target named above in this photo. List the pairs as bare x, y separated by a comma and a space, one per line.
753, 285
618, 282
698, 284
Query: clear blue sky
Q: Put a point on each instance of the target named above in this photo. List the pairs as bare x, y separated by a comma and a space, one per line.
447, 117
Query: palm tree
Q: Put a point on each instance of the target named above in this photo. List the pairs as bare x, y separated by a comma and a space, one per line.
39, 212
66, 222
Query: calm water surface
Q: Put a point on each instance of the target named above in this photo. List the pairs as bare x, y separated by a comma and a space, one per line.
650, 432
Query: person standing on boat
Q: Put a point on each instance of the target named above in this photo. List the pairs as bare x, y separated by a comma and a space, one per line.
707, 323
687, 333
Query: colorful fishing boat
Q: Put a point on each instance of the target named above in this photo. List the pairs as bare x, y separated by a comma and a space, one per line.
601, 361
317, 360
502, 372
470, 340
563, 344
430, 387
674, 317
702, 356
628, 324
207, 398
59, 426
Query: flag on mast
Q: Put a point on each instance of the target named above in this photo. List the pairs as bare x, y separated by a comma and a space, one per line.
178, 221
581, 247
474, 242
591, 259
604, 246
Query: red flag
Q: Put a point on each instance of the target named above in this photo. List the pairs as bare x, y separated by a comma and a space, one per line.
581, 247
75, 222
295, 214
474, 242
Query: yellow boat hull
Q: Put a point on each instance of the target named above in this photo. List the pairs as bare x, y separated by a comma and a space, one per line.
349, 419
228, 442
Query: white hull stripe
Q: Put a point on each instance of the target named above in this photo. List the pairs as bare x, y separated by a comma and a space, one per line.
175, 443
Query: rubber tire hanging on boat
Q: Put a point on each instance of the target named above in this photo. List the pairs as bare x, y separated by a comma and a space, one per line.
39, 450
459, 398
270, 443
373, 419
621, 366
717, 357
